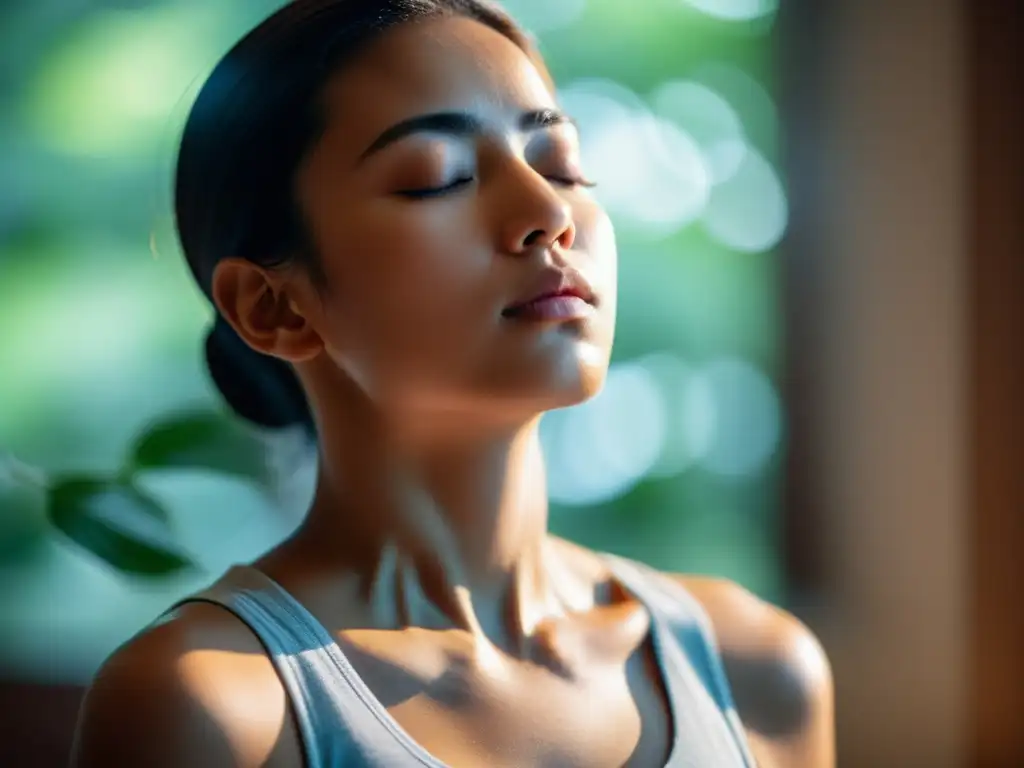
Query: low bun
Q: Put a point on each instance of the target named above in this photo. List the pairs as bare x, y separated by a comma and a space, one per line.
261, 389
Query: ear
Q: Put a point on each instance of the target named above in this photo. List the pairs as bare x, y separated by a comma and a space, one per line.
269, 309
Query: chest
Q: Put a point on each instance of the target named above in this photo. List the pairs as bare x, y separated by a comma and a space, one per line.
590, 711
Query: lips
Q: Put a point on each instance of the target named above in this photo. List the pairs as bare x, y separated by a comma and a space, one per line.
555, 308
556, 296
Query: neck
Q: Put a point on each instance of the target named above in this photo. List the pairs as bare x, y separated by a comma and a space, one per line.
448, 532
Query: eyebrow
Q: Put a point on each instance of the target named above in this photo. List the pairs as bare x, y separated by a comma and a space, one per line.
461, 124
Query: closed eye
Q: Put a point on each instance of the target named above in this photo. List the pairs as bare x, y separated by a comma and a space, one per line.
571, 181
425, 193
428, 192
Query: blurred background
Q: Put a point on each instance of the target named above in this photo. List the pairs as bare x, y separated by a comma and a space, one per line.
817, 382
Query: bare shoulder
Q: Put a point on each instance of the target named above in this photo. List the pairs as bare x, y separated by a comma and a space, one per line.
779, 673
780, 676
196, 689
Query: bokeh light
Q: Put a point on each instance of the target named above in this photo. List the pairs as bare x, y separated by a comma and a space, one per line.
545, 15
598, 451
736, 10
748, 211
748, 97
659, 416
650, 172
709, 120
735, 409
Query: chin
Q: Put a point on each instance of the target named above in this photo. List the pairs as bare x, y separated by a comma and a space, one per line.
549, 372
589, 384
573, 382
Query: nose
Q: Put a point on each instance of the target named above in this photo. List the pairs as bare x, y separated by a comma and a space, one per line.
535, 215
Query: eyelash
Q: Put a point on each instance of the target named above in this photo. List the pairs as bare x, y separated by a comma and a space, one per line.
422, 194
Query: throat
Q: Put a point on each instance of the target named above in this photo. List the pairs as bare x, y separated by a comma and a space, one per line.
512, 613
444, 534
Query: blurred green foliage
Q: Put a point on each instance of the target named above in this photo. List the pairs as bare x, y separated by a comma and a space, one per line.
108, 515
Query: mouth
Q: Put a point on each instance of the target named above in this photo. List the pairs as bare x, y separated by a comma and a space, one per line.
565, 298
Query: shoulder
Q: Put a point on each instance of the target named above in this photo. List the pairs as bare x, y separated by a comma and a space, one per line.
196, 689
779, 673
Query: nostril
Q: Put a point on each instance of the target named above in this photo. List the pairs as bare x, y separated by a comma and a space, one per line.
533, 237
568, 238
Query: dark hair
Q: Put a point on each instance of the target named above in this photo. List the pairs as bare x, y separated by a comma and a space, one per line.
252, 124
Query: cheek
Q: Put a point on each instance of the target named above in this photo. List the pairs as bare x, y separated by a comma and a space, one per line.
412, 285
595, 237
417, 257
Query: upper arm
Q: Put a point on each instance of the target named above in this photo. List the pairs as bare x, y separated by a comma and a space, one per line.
161, 701
779, 674
139, 711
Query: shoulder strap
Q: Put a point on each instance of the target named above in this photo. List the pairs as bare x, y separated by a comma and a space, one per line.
338, 726
696, 648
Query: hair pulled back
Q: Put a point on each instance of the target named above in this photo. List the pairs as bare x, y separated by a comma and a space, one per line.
254, 121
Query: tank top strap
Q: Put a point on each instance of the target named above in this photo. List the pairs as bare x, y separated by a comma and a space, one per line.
693, 651
338, 719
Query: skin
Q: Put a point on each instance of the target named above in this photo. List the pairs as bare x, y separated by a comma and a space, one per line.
426, 550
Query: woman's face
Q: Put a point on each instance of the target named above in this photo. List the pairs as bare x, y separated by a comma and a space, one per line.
443, 193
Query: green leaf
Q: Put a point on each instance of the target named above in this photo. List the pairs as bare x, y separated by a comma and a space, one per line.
118, 523
22, 509
201, 441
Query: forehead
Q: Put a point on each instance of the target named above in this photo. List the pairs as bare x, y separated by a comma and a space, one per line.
434, 65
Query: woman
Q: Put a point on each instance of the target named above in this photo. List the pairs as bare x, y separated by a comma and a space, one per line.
386, 207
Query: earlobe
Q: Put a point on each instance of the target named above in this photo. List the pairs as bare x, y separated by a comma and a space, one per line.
259, 304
